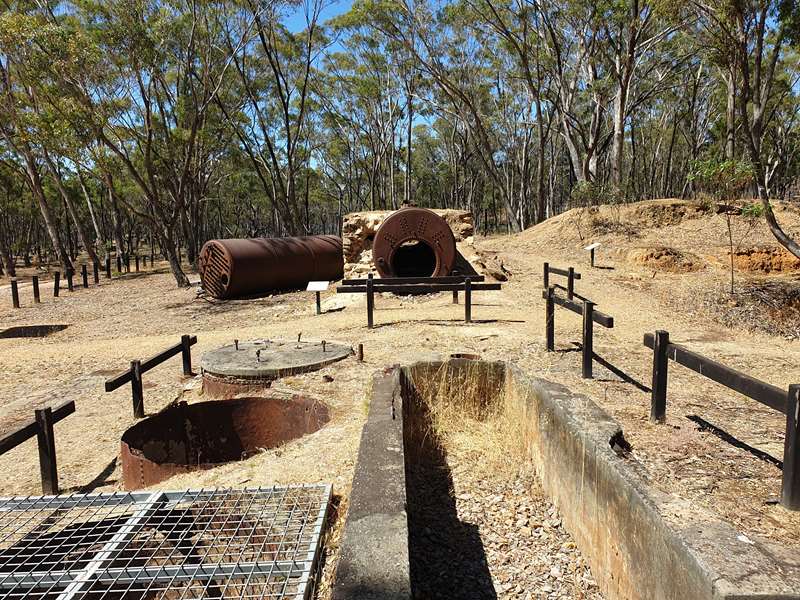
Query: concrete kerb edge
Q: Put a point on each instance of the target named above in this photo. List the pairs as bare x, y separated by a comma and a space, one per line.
642, 544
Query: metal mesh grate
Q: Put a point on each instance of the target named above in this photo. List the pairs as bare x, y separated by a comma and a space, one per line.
251, 543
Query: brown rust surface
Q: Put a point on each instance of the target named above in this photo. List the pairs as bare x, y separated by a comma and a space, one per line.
187, 437
242, 267
414, 242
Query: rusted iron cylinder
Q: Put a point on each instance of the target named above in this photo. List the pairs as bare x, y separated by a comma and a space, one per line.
245, 267
414, 242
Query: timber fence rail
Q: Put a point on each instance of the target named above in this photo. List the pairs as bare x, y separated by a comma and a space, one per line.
417, 285
586, 309
569, 273
139, 367
123, 266
783, 401
41, 427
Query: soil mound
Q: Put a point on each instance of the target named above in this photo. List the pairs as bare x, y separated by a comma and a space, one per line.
666, 259
765, 259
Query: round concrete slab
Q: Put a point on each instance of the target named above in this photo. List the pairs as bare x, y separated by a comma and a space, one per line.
271, 359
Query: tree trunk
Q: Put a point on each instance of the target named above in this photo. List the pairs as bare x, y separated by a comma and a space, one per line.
35, 182
80, 230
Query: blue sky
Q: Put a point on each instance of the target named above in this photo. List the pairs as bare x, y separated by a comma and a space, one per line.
297, 21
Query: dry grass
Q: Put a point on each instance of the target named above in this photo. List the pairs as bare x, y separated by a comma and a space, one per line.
471, 415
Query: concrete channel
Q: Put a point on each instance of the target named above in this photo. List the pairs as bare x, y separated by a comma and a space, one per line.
642, 544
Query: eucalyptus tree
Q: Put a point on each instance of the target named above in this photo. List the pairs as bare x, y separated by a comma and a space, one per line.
757, 33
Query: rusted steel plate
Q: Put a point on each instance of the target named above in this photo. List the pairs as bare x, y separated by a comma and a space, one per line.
244, 267
414, 242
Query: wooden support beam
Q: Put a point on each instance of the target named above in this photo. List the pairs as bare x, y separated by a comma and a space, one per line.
587, 354
370, 301
47, 451
790, 486
14, 292
658, 395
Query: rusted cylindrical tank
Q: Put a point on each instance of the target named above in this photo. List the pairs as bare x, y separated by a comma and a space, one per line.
414, 242
245, 267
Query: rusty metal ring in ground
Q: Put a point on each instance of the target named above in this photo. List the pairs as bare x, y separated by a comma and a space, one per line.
414, 242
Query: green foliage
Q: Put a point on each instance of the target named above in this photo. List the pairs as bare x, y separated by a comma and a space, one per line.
724, 180
590, 193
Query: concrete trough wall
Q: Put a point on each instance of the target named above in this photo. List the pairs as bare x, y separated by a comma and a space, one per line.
642, 544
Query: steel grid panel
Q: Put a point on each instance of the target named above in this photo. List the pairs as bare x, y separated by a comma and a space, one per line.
215, 543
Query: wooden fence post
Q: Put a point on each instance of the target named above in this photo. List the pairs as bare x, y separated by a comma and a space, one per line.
36, 297
47, 451
96, 272
587, 355
549, 320
136, 389
468, 300
186, 354
84, 276
546, 276
591, 257
658, 398
360, 353
56, 283
14, 293
790, 488
571, 283
108, 267
370, 301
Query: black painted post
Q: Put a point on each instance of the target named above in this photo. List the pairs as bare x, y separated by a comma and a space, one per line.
550, 320
14, 293
571, 283
70, 275
137, 263
136, 389
468, 300
84, 275
591, 257
588, 339
108, 267
455, 296
96, 272
56, 283
47, 451
546, 276
319, 303
370, 301
790, 488
119, 264
36, 298
360, 354
658, 398
186, 354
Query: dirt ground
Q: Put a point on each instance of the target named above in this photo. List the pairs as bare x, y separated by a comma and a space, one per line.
141, 314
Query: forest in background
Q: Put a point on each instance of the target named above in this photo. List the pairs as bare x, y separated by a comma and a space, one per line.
167, 123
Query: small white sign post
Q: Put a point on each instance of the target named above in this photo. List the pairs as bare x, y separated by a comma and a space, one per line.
317, 287
591, 248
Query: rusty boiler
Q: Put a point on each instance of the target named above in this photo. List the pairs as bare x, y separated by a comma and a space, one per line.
245, 267
414, 242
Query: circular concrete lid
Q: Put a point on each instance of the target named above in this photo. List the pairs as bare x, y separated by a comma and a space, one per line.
271, 359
